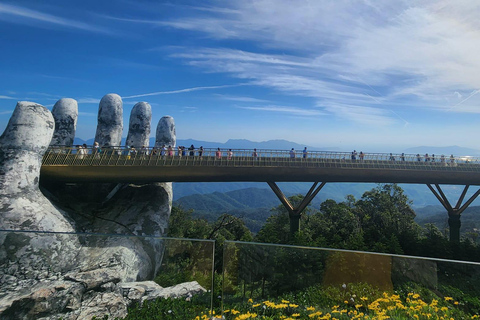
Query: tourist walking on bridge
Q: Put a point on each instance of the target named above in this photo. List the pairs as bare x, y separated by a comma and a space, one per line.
191, 150
292, 154
305, 153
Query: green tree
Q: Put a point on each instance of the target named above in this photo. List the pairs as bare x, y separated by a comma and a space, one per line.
336, 226
182, 225
277, 226
385, 213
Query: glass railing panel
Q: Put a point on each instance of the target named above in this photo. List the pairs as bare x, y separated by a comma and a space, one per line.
302, 282
64, 275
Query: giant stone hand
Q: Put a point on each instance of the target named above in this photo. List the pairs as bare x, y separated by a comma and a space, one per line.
27, 204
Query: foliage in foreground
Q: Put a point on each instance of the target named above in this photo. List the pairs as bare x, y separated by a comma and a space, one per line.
352, 301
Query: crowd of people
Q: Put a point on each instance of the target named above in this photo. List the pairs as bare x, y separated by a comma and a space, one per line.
182, 151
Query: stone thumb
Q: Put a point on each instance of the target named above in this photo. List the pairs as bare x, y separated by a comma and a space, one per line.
22, 146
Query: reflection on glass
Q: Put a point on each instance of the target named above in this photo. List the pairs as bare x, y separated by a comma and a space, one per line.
297, 282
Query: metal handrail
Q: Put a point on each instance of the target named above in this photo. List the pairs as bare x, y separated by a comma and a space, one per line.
148, 156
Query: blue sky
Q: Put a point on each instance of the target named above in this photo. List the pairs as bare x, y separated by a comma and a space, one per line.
369, 75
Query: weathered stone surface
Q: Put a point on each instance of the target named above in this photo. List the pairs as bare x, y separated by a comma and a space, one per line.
32, 301
139, 127
65, 113
110, 121
22, 146
134, 291
94, 278
165, 134
186, 289
69, 299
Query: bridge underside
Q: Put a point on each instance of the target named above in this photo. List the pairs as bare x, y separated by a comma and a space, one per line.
149, 174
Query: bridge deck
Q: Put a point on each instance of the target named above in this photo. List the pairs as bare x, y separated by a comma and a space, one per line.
113, 165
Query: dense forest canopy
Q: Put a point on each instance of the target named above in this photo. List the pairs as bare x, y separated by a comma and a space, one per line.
382, 220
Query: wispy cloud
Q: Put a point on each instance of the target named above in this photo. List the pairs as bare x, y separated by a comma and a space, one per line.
88, 100
183, 90
361, 114
7, 97
288, 110
25, 15
240, 98
388, 51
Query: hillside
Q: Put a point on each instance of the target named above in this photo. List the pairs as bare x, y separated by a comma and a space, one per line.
254, 206
438, 216
419, 194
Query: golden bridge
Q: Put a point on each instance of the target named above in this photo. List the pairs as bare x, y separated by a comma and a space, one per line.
147, 165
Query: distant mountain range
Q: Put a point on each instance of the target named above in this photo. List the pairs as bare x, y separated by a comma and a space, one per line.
254, 206
420, 195
287, 145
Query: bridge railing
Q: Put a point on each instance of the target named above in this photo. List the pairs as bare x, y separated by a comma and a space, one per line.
122, 156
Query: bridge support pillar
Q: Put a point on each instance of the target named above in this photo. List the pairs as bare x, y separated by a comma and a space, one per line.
454, 213
295, 212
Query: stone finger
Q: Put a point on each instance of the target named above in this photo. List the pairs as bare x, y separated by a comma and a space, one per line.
65, 113
165, 134
110, 121
139, 126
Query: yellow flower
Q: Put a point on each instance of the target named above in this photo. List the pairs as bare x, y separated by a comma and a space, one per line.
310, 308
448, 298
250, 300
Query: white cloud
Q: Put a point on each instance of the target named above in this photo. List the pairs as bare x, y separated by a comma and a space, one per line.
25, 15
240, 98
88, 101
7, 97
181, 91
288, 110
362, 115
352, 58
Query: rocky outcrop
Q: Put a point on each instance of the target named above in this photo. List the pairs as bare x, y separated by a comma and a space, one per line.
48, 275
83, 296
